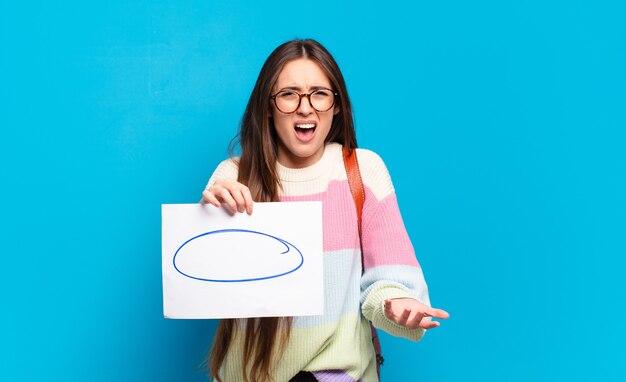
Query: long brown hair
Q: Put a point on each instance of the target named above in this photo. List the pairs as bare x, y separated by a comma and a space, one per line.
257, 169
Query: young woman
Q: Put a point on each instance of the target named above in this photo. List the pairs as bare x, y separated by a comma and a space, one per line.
297, 120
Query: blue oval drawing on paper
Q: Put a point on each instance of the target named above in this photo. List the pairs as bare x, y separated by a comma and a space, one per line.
197, 259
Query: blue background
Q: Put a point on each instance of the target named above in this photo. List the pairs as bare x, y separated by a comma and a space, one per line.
502, 124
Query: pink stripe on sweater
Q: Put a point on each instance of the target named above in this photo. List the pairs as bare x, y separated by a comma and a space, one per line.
385, 240
338, 215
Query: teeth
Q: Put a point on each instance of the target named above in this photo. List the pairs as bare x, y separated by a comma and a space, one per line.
306, 126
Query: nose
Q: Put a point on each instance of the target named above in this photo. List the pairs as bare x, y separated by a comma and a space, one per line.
305, 107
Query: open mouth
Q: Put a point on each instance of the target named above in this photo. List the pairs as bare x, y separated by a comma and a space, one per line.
305, 131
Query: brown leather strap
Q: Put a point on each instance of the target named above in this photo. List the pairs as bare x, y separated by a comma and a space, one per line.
356, 184
358, 194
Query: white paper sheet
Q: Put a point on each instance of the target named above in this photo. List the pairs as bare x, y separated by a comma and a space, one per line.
262, 265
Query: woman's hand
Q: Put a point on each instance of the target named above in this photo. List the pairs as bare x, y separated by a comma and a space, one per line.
412, 314
234, 195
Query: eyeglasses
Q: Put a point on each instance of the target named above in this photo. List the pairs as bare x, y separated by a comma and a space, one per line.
288, 101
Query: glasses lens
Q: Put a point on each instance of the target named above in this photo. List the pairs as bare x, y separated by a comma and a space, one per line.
322, 100
287, 101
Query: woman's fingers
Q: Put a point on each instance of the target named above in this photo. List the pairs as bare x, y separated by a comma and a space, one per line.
389, 311
412, 314
226, 198
410, 320
244, 199
438, 313
235, 196
416, 321
426, 323
245, 191
407, 318
208, 197
240, 203
404, 318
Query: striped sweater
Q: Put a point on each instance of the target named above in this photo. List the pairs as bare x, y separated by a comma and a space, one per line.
337, 346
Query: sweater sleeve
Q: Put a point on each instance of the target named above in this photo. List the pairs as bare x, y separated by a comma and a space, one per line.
390, 267
228, 169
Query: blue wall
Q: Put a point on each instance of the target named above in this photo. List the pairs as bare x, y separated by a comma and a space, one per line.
502, 124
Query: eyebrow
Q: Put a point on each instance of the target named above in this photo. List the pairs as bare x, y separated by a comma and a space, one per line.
298, 88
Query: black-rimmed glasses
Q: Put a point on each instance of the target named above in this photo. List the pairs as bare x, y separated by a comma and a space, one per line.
288, 101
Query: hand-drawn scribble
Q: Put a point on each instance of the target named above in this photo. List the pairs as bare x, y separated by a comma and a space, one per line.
239, 232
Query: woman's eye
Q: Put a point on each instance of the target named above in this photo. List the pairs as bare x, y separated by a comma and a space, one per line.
321, 93
287, 95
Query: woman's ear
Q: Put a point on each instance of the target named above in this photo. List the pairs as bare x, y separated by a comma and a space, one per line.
336, 110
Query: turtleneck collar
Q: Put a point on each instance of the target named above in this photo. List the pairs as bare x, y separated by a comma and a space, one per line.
331, 152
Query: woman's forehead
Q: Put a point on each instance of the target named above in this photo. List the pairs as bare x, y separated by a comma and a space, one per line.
302, 73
